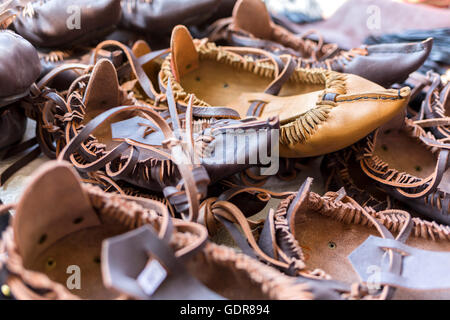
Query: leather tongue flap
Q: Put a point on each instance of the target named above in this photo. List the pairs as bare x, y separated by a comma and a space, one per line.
51, 207
102, 92
140, 48
141, 265
421, 269
252, 16
184, 54
298, 203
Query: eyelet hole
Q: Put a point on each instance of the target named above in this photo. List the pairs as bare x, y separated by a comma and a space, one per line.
42, 238
97, 260
384, 147
78, 220
332, 245
418, 168
226, 85
50, 264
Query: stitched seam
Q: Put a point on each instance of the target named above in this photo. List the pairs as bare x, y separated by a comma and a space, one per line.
371, 98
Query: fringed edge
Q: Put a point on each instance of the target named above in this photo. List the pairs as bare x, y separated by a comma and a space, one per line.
381, 168
349, 214
334, 82
283, 234
302, 128
272, 282
109, 207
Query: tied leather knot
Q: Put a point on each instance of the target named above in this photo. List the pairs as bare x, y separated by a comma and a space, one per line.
173, 142
160, 97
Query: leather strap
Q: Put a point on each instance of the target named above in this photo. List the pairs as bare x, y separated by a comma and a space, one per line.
140, 243
135, 63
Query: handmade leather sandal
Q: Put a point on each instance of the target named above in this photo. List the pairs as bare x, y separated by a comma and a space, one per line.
129, 146
35, 245
384, 64
315, 106
63, 23
160, 16
410, 165
15, 80
434, 112
320, 239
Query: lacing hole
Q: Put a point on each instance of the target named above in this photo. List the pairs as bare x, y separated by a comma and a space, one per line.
387, 131
384, 147
332, 245
225, 85
197, 78
6, 290
78, 220
188, 66
418, 168
97, 260
50, 264
42, 238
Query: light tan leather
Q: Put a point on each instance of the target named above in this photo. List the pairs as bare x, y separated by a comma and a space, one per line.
220, 77
185, 57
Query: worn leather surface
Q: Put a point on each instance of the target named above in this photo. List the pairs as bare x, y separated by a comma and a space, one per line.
348, 27
48, 26
19, 66
160, 16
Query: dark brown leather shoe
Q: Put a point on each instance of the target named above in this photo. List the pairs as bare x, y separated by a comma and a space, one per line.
12, 126
160, 16
342, 170
64, 23
411, 165
150, 165
384, 64
435, 110
19, 67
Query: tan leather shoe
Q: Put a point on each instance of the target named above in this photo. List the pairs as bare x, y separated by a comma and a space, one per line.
320, 111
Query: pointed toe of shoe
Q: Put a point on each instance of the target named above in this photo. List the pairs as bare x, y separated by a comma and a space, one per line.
386, 64
365, 107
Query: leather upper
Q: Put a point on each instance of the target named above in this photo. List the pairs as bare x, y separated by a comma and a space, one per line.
19, 64
62, 23
160, 16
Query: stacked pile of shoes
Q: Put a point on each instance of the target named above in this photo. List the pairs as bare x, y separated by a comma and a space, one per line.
178, 134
